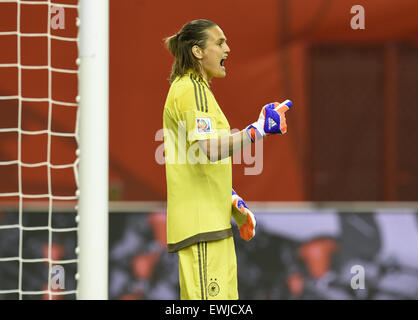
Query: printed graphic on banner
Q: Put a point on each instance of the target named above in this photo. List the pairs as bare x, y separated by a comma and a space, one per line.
204, 125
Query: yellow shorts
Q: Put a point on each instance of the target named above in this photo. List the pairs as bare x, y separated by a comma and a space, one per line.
208, 271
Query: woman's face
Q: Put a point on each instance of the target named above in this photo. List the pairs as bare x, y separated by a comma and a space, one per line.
214, 54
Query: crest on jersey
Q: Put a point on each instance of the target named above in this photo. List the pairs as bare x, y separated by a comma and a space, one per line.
204, 125
213, 289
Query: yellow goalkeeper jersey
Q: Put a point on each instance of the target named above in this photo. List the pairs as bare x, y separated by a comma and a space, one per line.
198, 191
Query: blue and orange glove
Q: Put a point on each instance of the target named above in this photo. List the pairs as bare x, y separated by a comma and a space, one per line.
244, 218
272, 120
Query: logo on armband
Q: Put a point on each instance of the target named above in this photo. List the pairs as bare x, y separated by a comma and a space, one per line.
204, 125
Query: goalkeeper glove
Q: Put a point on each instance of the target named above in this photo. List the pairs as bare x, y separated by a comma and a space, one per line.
244, 218
272, 120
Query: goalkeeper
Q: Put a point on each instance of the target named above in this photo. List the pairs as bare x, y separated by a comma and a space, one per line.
198, 146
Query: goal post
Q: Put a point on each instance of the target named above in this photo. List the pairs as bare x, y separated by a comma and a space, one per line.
93, 152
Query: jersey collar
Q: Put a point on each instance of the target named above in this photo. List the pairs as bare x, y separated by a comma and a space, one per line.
197, 77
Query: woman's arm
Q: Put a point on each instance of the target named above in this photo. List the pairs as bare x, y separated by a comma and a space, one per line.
271, 120
224, 147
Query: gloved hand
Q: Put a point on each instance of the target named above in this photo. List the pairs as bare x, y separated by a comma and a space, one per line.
244, 218
272, 120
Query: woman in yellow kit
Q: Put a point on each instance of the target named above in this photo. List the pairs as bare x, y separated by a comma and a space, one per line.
198, 145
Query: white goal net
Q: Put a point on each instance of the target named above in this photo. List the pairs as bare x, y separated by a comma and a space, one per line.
38, 149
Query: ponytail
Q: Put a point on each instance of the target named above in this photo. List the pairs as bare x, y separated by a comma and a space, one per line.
180, 45
172, 44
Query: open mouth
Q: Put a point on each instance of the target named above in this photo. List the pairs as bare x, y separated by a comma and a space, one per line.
222, 62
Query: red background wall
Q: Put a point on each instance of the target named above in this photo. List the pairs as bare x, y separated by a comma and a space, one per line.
269, 61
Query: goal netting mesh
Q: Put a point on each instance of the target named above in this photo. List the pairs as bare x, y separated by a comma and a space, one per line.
38, 149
